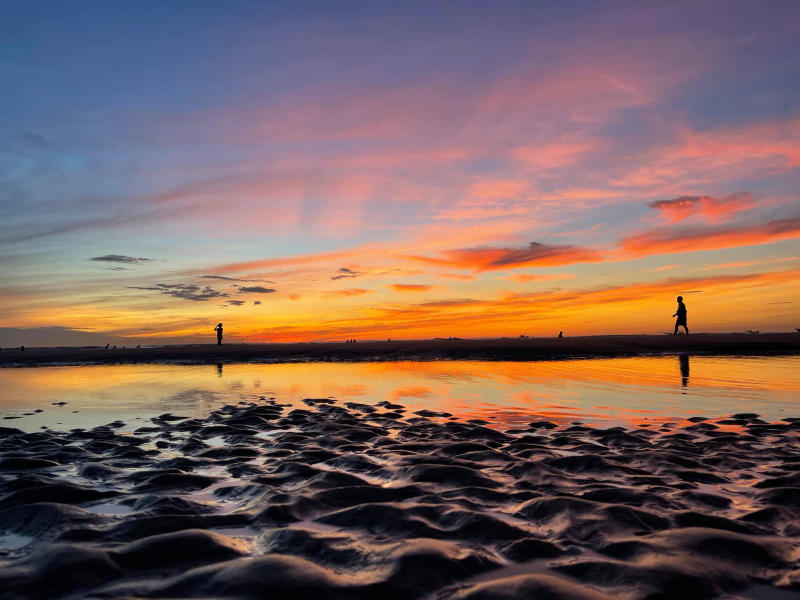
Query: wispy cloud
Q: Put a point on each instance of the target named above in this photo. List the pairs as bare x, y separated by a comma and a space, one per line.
184, 291
224, 278
121, 258
256, 289
692, 239
411, 287
494, 259
528, 277
347, 292
713, 209
346, 273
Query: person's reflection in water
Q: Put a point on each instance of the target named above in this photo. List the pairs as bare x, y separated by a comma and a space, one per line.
219, 369
683, 360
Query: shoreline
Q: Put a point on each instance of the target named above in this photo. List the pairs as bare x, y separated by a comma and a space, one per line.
516, 349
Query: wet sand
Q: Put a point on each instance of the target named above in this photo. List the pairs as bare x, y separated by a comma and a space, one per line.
740, 344
365, 501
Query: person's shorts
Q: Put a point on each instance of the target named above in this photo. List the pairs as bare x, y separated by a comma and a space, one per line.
680, 322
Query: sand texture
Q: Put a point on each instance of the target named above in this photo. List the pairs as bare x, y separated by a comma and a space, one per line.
364, 502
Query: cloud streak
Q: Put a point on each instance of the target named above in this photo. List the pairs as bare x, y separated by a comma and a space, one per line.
121, 258
711, 208
411, 287
693, 239
495, 259
256, 289
346, 273
184, 291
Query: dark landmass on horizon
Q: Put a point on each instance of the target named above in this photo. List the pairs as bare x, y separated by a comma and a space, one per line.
742, 344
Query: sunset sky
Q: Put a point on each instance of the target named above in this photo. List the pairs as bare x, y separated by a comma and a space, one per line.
319, 171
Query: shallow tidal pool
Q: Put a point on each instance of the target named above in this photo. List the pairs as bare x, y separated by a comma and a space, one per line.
617, 391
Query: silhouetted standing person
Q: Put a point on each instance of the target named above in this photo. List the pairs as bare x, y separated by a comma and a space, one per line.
681, 314
218, 329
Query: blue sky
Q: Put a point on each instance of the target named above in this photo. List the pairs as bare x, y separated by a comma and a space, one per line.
410, 143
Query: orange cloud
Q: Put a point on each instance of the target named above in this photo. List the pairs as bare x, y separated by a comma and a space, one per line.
671, 240
528, 277
459, 276
348, 292
411, 287
495, 259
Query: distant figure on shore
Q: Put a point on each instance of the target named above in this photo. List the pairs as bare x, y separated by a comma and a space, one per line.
218, 329
107, 345
560, 334
681, 314
22, 348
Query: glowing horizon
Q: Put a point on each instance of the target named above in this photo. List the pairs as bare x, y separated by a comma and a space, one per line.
411, 171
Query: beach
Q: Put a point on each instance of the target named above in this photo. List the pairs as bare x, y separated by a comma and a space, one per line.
741, 344
351, 500
339, 471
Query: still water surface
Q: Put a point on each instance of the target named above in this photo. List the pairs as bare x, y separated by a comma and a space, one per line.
619, 391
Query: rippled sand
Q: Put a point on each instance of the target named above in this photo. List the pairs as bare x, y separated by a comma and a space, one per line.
357, 501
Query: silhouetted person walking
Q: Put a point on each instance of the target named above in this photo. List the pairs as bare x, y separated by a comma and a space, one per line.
218, 329
681, 314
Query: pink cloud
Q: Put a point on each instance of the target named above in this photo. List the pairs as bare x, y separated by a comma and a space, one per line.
495, 259
528, 277
711, 208
693, 239
703, 158
553, 154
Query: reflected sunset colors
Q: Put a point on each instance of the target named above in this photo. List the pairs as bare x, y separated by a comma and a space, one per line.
621, 391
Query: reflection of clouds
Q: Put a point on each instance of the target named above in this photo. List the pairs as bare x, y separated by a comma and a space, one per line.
618, 391
345, 391
411, 392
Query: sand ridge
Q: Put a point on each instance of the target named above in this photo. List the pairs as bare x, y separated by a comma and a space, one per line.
372, 501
